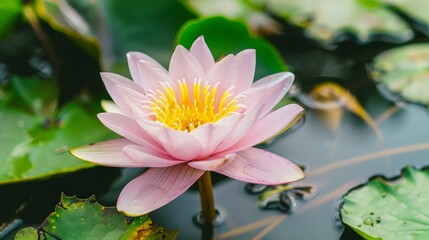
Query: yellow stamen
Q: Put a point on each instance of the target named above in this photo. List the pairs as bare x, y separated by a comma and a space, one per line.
184, 112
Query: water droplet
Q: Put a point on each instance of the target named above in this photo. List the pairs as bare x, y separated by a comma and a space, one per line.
368, 221
378, 219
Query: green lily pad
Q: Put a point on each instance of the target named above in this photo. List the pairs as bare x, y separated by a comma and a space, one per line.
327, 21
9, 11
35, 136
405, 71
225, 36
86, 219
396, 209
415, 9
235, 9
118, 26
75, 18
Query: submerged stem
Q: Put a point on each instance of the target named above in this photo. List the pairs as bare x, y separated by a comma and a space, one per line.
207, 200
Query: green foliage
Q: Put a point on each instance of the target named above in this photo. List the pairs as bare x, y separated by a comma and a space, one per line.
327, 21
225, 36
86, 219
9, 11
390, 209
36, 135
118, 27
415, 9
405, 71
235, 9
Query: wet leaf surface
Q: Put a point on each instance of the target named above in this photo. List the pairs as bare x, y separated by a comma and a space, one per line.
75, 218
390, 209
404, 71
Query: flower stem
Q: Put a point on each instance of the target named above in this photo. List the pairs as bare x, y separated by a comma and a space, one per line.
206, 198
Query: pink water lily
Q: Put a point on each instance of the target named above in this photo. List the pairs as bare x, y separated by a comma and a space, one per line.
199, 116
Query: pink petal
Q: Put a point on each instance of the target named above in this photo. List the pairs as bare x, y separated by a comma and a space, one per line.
155, 188
135, 100
111, 80
108, 153
268, 126
245, 63
179, 144
222, 72
250, 117
261, 167
134, 58
146, 157
213, 163
274, 93
151, 75
110, 106
129, 129
184, 65
202, 52
212, 134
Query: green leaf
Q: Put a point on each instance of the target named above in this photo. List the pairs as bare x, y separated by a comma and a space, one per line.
86, 219
34, 140
145, 26
396, 209
327, 21
235, 9
405, 71
39, 95
77, 19
225, 36
9, 11
415, 9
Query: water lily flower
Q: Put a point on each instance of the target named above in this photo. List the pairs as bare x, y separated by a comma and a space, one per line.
198, 116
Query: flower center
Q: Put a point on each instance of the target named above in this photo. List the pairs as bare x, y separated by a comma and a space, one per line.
191, 106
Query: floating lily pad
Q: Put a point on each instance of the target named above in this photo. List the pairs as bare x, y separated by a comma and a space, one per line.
9, 11
414, 9
405, 71
86, 219
235, 9
118, 26
75, 18
225, 36
328, 21
396, 209
35, 136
